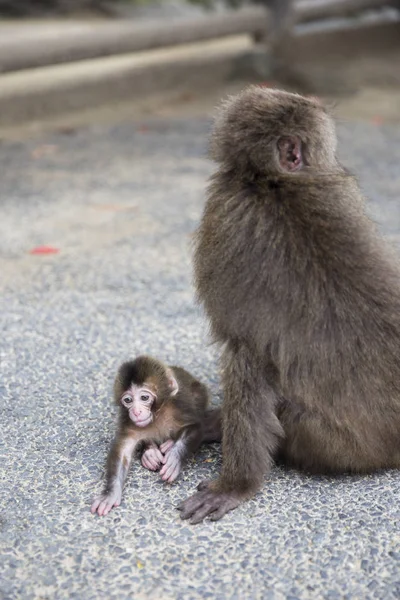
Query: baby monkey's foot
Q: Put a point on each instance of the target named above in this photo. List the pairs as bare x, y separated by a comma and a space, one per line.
152, 458
172, 461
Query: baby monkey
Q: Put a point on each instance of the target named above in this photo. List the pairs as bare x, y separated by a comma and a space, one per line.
163, 415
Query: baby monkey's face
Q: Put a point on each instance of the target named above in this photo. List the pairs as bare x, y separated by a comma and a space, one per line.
139, 400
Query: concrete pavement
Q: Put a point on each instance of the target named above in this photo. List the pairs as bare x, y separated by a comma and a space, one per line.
119, 203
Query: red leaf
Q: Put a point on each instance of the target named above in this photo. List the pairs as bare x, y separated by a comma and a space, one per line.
44, 250
45, 150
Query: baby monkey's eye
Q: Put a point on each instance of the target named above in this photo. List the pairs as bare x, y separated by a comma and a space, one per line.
145, 397
127, 399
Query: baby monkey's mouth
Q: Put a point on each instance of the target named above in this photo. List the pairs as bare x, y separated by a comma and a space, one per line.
142, 422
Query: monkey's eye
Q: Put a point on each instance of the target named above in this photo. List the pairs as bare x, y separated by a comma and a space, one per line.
145, 397
127, 399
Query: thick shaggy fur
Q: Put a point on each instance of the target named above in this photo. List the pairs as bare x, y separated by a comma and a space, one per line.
303, 293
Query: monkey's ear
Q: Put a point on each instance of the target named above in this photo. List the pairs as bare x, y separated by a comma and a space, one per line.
172, 382
290, 153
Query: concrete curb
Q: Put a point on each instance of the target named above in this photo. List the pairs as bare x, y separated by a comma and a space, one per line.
50, 91
24, 47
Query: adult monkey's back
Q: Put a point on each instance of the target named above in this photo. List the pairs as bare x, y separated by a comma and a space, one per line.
303, 294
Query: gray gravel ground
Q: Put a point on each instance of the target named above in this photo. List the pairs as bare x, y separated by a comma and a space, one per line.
121, 203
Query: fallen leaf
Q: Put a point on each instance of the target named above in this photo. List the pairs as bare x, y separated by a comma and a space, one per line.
377, 120
44, 250
46, 150
139, 564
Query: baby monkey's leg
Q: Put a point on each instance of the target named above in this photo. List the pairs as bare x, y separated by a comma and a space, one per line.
118, 463
176, 453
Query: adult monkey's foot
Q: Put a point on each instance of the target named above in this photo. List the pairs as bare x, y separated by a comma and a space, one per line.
207, 502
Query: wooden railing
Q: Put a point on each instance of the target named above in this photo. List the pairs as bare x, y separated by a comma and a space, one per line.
121, 37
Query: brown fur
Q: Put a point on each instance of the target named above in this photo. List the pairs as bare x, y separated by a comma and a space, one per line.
180, 414
305, 296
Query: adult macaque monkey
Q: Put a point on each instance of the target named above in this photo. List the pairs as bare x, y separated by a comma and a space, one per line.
305, 296
163, 413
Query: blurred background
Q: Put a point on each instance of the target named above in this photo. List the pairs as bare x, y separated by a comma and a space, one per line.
105, 113
65, 56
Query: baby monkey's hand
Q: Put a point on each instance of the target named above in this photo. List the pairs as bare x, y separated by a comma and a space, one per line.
172, 461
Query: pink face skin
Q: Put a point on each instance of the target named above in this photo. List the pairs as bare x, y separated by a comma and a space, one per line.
138, 401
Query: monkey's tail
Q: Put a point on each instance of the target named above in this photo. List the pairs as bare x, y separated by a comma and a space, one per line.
212, 428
